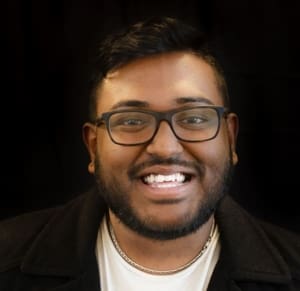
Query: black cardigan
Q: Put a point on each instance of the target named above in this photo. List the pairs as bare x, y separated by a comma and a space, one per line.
54, 249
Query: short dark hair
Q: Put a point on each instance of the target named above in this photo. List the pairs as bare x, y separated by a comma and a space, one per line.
153, 36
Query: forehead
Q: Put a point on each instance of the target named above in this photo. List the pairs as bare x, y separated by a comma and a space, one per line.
160, 82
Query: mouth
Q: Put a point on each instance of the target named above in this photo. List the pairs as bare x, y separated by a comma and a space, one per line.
166, 180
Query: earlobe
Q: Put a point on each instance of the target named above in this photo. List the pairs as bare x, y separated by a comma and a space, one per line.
235, 158
91, 167
90, 140
233, 128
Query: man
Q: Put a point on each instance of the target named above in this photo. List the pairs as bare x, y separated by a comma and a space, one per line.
162, 147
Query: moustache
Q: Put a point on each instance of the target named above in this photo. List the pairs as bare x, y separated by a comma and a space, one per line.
172, 161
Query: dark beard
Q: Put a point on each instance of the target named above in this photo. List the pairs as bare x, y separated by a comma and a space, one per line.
117, 200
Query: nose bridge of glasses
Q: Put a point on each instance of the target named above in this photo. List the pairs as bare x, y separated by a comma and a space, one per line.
164, 118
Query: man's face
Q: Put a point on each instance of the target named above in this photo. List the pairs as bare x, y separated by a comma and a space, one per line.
200, 171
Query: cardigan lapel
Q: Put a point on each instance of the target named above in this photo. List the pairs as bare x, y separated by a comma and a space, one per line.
87, 281
246, 253
65, 249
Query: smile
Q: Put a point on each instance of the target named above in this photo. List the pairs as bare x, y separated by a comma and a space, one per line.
165, 181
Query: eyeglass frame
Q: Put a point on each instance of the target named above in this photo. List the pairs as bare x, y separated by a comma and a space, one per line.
222, 112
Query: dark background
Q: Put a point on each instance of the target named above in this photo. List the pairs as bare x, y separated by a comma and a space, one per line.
45, 50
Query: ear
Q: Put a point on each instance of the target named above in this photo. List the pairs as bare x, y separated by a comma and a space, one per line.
232, 122
90, 140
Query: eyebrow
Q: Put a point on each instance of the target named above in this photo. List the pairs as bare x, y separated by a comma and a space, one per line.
143, 104
130, 103
183, 100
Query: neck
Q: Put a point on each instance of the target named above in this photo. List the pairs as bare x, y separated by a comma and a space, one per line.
160, 255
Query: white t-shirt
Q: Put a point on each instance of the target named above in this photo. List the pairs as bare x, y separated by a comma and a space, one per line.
118, 275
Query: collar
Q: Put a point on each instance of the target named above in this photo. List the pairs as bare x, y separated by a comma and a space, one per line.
66, 246
247, 254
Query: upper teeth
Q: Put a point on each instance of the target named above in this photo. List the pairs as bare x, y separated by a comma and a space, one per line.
152, 178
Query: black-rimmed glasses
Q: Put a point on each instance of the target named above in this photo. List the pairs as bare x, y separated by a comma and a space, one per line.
135, 127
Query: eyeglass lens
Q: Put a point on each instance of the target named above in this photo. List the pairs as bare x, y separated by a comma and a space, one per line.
195, 124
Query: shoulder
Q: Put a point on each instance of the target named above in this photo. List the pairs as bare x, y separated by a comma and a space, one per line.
285, 241
16, 235
264, 249
231, 211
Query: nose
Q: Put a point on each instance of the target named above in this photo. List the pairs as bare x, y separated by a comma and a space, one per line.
165, 143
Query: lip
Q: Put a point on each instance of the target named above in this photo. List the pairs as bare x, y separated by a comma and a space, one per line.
166, 191
169, 192
166, 170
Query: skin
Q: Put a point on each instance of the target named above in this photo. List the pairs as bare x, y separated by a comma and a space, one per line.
158, 83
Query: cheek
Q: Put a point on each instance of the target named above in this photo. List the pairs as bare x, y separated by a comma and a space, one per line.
211, 152
115, 159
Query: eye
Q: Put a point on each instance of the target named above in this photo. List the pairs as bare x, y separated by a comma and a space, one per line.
127, 122
200, 118
130, 121
193, 120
